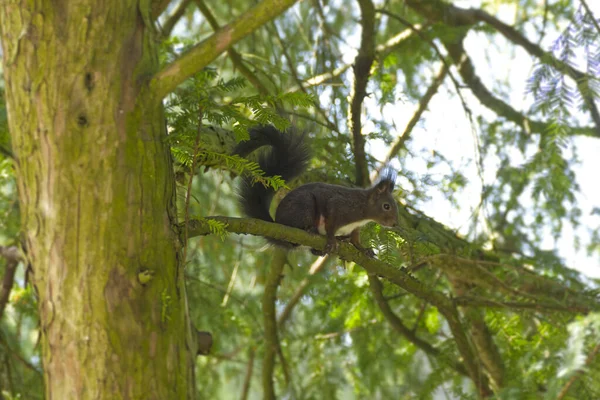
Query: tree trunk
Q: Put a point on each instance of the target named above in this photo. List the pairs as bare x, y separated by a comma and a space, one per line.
97, 199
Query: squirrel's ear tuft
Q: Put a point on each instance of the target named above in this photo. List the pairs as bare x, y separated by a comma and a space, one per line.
387, 179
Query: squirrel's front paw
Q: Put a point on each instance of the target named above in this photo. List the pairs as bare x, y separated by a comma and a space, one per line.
331, 246
369, 252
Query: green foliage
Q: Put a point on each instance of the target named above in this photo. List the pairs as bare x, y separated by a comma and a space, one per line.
206, 98
554, 93
337, 343
216, 228
578, 357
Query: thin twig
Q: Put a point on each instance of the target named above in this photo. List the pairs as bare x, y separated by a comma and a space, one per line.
169, 24
423, 104
248, 376
236, 58
591, 15
337, 334
397, 324
460, 17
425, 304
314, 269
439, 53
292, 69
231, 283
189, 185
19, 357
474, 301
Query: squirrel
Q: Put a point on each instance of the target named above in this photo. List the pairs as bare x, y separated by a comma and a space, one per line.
327, 209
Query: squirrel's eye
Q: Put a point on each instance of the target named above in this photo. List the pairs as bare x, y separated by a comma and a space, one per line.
386, 206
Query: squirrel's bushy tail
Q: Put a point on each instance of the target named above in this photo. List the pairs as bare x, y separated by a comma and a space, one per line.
288, 157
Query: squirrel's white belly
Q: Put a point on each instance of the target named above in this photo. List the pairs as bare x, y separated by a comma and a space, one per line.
343, 230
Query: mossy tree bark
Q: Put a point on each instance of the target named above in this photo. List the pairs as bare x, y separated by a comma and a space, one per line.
97, 193
97, 199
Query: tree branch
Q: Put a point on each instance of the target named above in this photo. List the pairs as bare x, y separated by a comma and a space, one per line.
474, 301
456, 16
6, 152
362, 70
382, 51
169, 24
13, 257
487, 351
158, 7
591, 15
398, 326
346, 251
236, 58
7, 284
205, 52
19, 357
248, 376
270, 322
528, 285
467, 72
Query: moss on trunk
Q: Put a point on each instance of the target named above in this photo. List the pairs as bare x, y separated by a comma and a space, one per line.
97, 199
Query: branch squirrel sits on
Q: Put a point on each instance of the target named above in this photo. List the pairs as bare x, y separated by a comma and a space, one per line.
323, 208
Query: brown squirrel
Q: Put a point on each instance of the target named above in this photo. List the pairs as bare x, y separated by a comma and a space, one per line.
323, 208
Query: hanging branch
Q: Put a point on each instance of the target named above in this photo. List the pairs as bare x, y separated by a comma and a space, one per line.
474, 301
362, 70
